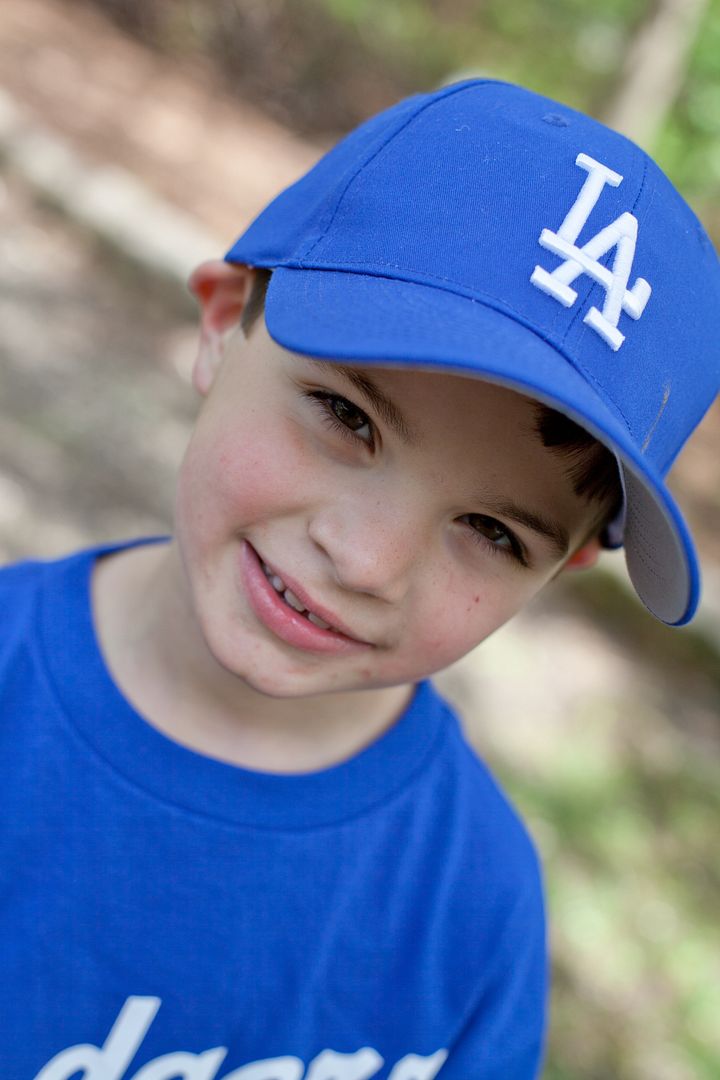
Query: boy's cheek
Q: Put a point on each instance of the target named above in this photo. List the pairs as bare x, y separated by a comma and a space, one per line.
462, 622
240, 477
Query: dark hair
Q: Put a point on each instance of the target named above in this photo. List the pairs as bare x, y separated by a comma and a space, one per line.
256, 300
591, 467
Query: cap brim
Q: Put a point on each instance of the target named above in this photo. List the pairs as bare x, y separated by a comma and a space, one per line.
353, 316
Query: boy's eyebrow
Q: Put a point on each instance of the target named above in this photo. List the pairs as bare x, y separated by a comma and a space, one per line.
372, 393
552, 530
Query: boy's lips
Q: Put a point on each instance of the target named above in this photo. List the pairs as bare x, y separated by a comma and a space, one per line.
281, 617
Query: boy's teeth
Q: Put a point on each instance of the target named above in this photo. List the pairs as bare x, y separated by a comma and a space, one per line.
277, 582
317, 621
292, 600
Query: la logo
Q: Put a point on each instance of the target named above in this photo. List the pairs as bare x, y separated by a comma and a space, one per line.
620, 234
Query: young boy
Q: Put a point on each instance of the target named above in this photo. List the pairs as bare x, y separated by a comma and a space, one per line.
244, 838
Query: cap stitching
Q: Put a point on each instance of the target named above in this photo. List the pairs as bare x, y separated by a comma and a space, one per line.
434, 100
340, 267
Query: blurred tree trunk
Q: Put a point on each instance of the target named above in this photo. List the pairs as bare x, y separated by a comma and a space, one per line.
654, 68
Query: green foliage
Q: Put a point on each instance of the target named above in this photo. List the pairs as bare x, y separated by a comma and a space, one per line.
628, 840
579, 47
570, 49
689, 146
322, 66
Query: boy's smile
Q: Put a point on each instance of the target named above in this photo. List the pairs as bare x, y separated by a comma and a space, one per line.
351, 528
288, 612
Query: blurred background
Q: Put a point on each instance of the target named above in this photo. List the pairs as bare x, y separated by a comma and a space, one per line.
140, 136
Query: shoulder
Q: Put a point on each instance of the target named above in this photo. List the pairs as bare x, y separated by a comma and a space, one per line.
20, 581
16, 577
24, 587
478, 807
33, 586
474, 855
478, 877
492, 811
47, 636
19, 585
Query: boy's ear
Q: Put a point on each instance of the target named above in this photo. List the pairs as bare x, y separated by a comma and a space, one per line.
584, 557
222, 290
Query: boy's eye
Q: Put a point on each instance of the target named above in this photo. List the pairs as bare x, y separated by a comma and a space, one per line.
496, 534
344, 416
348, 414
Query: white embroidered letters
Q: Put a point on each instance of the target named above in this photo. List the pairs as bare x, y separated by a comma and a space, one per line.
330, 1065
620, 234
110, 1062
413, 1067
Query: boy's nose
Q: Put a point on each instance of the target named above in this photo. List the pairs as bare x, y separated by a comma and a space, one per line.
371, 550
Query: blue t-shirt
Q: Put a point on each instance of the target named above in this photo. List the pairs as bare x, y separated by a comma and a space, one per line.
167, 916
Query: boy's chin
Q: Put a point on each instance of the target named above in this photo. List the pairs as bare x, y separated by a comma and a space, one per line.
281, 680
274, 682
279, 688
268, 676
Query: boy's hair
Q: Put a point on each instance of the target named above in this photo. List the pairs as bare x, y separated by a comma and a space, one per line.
592, 468
256, 300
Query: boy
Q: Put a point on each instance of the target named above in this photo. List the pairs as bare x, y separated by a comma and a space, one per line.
247, 839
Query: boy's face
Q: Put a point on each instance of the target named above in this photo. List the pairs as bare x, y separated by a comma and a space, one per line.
414, 511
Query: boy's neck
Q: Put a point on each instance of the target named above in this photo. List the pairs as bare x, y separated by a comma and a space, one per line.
158, 658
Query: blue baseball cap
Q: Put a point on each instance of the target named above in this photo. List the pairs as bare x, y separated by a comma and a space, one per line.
486, 230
